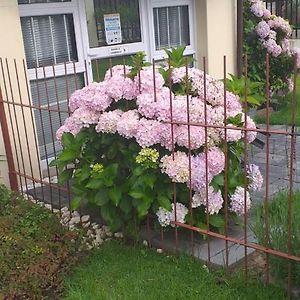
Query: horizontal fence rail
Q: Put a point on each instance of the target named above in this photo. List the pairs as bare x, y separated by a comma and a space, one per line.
31, 111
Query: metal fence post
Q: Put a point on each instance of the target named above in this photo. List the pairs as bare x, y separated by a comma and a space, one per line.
8, 149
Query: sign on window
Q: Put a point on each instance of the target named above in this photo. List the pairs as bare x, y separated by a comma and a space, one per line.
112, 25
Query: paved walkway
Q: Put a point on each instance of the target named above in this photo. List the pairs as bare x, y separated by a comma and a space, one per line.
279, 162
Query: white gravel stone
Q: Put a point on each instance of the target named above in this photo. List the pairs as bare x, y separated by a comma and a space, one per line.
64, 209
159, 251
75, 220
145, 243
49, 206
75, 214
85, 218
86, 225
119, 235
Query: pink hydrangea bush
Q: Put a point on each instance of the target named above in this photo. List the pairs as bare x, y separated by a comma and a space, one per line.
267, 33
123, 124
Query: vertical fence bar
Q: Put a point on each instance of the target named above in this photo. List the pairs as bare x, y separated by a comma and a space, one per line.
291, 174
25, 127
226, 163
189, 153
34, 128
245, 166
11, 124
206, 158
173, 151
17, 124
13, 181
266, 203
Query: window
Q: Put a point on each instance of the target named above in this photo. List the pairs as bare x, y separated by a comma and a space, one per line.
40, 1
49, 40
171, 26
129, 14
53, 91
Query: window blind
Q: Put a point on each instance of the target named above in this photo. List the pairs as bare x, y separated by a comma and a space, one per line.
49, 40
171, 26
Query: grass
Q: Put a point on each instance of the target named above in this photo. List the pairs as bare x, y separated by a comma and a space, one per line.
284, 115
34, 249
278, 234
117, 271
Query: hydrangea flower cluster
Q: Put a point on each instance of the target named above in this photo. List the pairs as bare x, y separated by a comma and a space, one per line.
148, 124
272, 30
165, 217
147, 158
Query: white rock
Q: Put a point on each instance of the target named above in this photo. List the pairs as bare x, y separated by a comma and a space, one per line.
119, 235
55, 210
109, 234
75, 214
85, 218
75, 220
106, 228
71, 227
49, 206
89, 233
64, 209
96, 226
159, 251
145, 243
86, 225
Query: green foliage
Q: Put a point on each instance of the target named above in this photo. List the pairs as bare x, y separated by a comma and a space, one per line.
34, 248
281, 67
138, 62
250, 90
278, 233
176, 59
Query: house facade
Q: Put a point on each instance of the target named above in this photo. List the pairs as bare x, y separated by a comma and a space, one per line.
84, 33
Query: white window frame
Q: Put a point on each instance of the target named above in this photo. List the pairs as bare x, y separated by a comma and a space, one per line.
190, 49
127, 49
57, 8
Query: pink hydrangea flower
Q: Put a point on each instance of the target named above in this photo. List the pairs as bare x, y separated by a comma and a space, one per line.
214, 200
238, 200
108, 121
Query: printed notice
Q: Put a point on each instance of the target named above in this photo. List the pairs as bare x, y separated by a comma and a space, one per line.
112, 25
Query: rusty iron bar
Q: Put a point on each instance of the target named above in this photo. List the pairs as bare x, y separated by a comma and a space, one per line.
13, 181
226, 167
291, 174
239, 242
24, 123
206, 156
17, 123
266, 202
33, 126
245, 166
173, 150
11, 123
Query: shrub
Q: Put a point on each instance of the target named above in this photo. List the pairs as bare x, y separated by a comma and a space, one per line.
278, 233
119, 138
265, 33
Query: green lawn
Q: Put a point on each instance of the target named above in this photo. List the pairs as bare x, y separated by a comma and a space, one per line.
117, 271
284, 115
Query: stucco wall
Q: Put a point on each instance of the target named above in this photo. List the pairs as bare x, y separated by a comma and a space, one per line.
12, 48
216, 35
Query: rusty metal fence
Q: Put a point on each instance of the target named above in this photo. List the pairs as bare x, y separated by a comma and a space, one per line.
28, 156
289, 10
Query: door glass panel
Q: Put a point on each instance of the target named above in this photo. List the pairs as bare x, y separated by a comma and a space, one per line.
52, 93
128, 13
49, 40
100, 66
171, 27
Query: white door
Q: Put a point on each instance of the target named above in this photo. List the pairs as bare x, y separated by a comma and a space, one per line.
130, 26
53, 47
